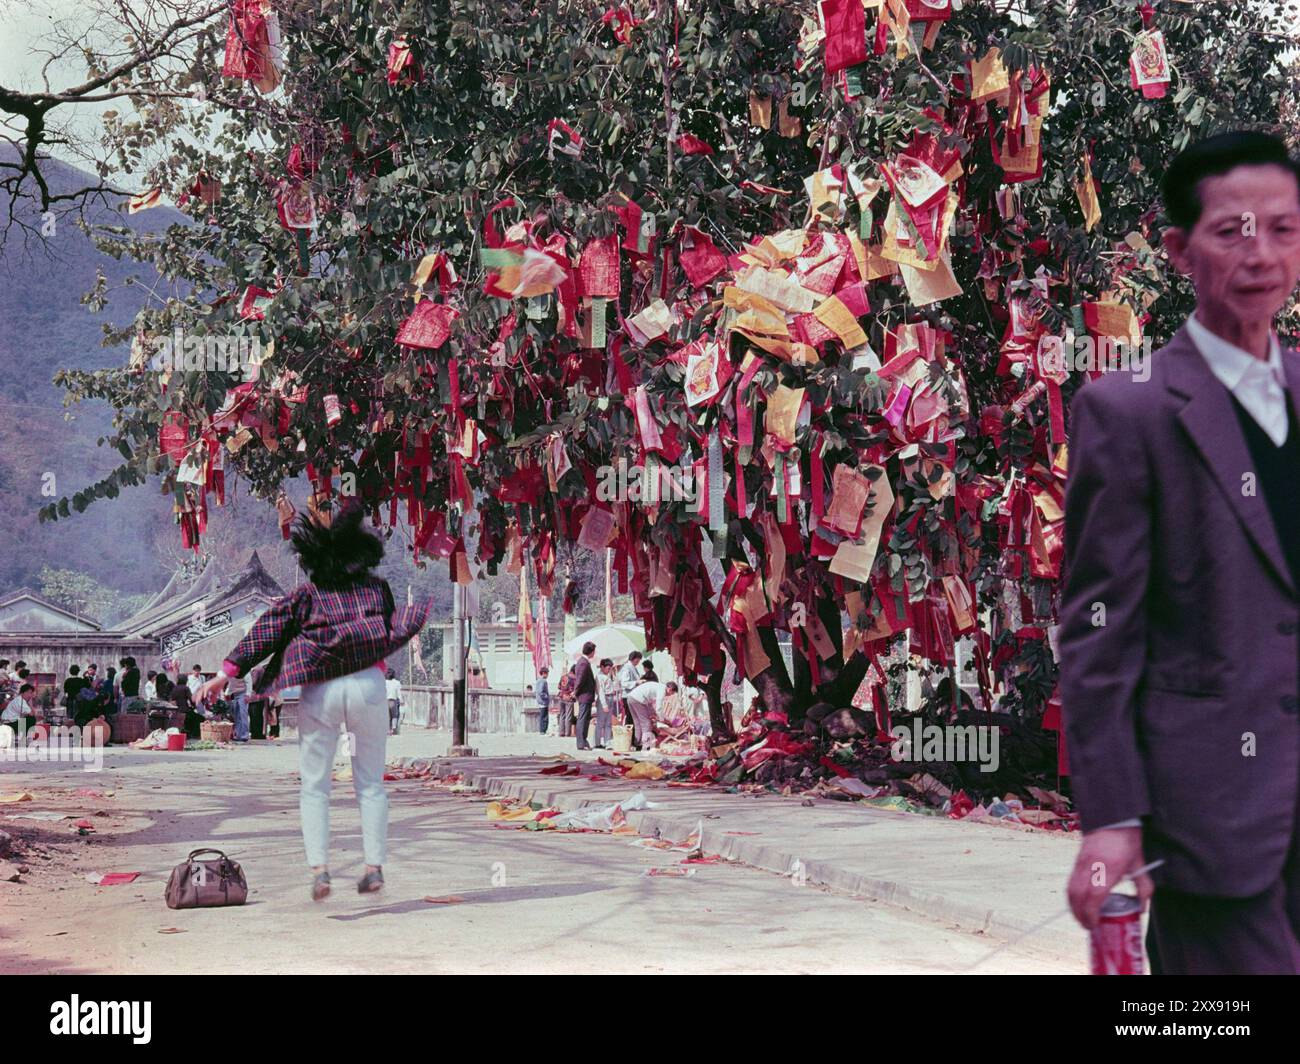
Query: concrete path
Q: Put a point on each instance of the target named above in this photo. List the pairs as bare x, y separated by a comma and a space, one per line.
995, 879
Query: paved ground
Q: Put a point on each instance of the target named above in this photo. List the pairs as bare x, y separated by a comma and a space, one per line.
531, 901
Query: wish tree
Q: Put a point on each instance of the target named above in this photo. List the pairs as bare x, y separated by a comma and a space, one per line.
808, 254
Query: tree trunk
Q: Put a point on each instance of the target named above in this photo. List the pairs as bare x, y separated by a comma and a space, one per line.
722, 728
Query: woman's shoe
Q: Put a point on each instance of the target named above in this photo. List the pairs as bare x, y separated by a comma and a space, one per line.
371, 882
320, 886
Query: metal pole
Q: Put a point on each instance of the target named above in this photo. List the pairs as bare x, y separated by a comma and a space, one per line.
458, 729
609, 598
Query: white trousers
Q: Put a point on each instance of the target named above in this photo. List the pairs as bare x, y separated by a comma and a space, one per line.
357, 706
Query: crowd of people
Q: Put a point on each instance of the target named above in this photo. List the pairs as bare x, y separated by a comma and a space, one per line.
88, 694
593, 695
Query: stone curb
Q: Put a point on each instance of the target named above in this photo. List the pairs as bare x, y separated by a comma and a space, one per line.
778, 859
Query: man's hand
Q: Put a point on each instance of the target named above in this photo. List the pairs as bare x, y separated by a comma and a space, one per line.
212, 689
1104, 859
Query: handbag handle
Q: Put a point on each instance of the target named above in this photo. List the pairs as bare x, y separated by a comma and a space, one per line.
195, 853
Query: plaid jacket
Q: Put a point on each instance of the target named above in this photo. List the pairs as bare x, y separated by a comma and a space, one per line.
313, 635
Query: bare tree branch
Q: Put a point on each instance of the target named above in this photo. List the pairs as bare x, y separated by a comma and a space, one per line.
33, 108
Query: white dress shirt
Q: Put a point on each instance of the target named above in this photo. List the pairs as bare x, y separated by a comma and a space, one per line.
629, 676
16, 709
1260, 387
650, 694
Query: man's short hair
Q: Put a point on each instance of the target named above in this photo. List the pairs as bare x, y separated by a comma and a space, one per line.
25, 688
73, 670
588, 648
634, 657
1212, 157
544, 671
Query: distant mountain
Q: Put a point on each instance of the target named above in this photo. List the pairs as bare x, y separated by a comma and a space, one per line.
129, 543
46, 329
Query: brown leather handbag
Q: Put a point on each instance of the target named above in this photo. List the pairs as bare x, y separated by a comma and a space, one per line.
201, 884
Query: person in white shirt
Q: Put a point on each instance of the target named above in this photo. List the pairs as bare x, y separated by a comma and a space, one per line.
194, 681
643, 703
629, 675
15, 709
20, 714
608, 691
10, 715
696, 701
151, 687
394, 690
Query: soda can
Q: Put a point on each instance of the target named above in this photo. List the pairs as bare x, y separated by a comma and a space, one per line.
1117, 939
333, 415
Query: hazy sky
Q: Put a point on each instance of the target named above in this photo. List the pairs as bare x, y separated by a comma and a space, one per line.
28, 26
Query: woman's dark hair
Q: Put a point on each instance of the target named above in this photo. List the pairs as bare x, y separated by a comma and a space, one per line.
1212, 157
605, 661
73, 670
339, 554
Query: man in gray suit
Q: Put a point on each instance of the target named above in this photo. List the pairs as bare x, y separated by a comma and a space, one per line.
1179, 651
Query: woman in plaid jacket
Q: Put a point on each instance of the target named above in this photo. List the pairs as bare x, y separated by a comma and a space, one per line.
331, 636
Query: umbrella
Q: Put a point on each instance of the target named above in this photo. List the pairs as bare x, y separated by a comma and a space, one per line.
612, 641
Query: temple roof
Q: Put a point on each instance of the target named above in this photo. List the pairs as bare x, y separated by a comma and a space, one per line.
213, 586
39, 600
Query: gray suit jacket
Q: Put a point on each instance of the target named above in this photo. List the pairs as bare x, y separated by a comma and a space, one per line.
1178, 634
